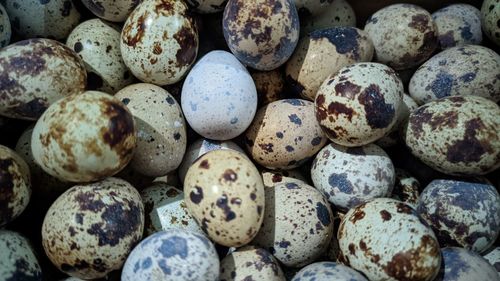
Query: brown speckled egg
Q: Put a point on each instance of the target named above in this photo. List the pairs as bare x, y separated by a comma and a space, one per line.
456, 135
261, 33
269, 85
386, 240
272, 178
464, 70
159, 41
84, 137
490, 15
5, 28
312, 7
323, 53
406, 188
36, 73
284, 134
298, 224
224, 193
111, 10
15, 185
207, 6
161, 129
17, 258
493, 257
339, 13
359, 104
463, 265
457, 25
404, 35
90, 229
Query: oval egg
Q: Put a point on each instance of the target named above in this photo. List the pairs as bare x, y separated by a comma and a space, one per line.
457, 25
18, 259
463, 265
5, 28
490, 15
111, 10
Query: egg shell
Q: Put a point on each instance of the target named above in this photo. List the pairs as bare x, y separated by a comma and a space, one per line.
17, 258
464, 70
112, 10
359, 104
262, 33
35, 74
457, 25
159, 41
84, 137
493, 257
91, 228
312, 7
404, 35
456, 135
406, 188
407, 250
269, 85
224, 193
463, 265
272, 178
327, 271
5, 28
323, 53
296, 236
175, 255
207, 6
490, 15
338, 13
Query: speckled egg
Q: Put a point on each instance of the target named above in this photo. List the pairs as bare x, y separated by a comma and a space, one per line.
351, 176
338, 13
457, 25
84, 137
328, 271
224, 193
462, 265
456, 135
312, 7
161, 129
219, 98
284, 134
406, 188
272, 178
359, 104
159, 41
15, 184
262, 33
17, 258
459, 71
386, 240
404, 35
490, 15
111, 10
36, 73
269, 85
295, 235
461, 213
323, 53
5, 28
90, 229
207, 6
393, 137
493, 257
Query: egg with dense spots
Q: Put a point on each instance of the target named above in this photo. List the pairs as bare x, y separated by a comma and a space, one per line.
116, 11
490, 20
18, 260
463, 265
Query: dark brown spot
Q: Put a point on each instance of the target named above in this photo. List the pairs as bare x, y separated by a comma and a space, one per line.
337, 108
347, 89
78, 47
446, 40
362, 246
277, 178
419, 22
187, 39
121, 128
386, 216
321, 113
405, 209
357, 215
222, 203
267, 147
204, 164
157, 50
129, 37
164, 7
469, 149
378, 113
230, 175
352, 249
196, 196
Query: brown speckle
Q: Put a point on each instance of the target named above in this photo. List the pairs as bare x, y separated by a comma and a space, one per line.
187, 40
204, 164
386, 216
230, 175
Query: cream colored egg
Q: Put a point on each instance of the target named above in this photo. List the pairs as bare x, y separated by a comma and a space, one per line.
339, 13
18, 260
111, 10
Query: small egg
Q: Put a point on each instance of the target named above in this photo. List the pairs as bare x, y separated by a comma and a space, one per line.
5, 28
463, 265
493, 257
406, 188
457, 25
272, 178
269, 85
111, 10
84, 137
312, 7
207, 6
91, 228
338, 13
490, 15
17, 258
327, 271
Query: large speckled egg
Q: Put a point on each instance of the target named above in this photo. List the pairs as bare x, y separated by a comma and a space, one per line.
464, 70
493, 257
161, 129
17, 258
5, 28
262, 33
386, 240
359, 104
404, 35
312, 7
456, 135
159, 41
15, 185
90, 229
207, 6
351, 176
457, 25
298, 224
84, 137
269, 85
328, 271
34, 74
338, 13
323, 53
461, 213
406, 189
111, 10
463, 265
219, 98
284, 134
272, 178
490, 15
224, 193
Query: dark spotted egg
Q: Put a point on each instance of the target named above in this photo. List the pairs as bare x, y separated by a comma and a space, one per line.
328, 271
262, 33
463, 265
5, 28
338, 13
493, 257
406, 189
269, 85
207, 6
312, 7
490, 15
457, 25
17, 258
272, 178
111, 10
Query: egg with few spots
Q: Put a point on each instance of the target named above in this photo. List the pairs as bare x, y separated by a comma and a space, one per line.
111, 10
456, 135
296, 236
159, 41
490, 15
327, 271
324, 52
84, 137
406, 189
463, 265
338, 13
359, 104
207, 6
269, 85
17, 258
272, 178
457, 25
493, 257
262, 34
312, 7
91, 228
5, 28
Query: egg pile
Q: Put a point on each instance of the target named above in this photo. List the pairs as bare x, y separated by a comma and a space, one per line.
263, 140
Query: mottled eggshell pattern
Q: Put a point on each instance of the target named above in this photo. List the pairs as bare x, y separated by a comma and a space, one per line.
404, 35
461, 213
386, 240
207, 6
5, 28
159, 41
406, 188
339, 13
296, 236
490, 15
90, 229
323, 53
328, 271
312, 7
359, 104
224, 193
272, 178
463, 265
457, 25
284, 134
219, 98
456, 135
84, 137
269, 85
459, 71
36, 73
262, 33
176, 255
493, 257
17, 258
111, 10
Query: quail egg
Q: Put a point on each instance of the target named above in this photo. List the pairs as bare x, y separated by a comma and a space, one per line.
406, 189
490, 15
272, 178
5, 28
338, 13
111, 10
463, 265
327, 271
17, 259
458, 24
